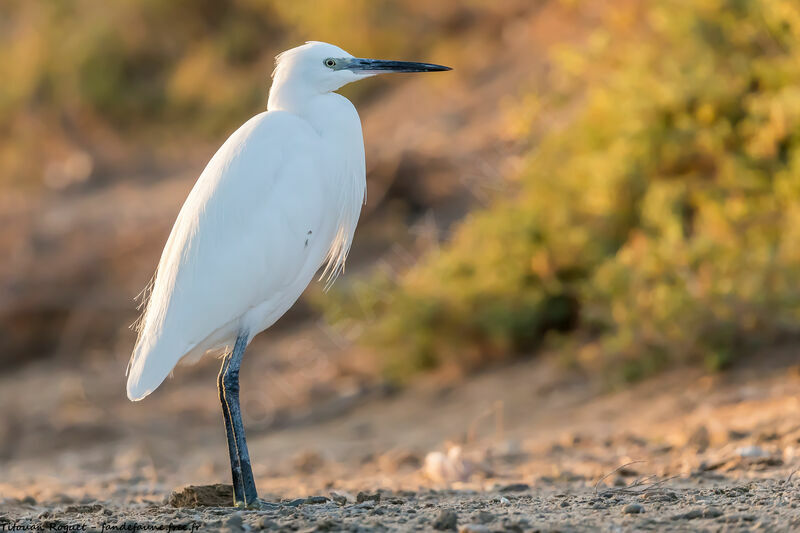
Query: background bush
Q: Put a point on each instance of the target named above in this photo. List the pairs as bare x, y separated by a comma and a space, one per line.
661, 224
82, 74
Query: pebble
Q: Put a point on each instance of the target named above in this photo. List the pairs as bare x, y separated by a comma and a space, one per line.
369, 504
365, 497
447, 520
708, 512
689, 515
633, 508
338, 498
751, 452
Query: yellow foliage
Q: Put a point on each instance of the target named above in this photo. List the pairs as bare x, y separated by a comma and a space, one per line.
661, 225
176, 69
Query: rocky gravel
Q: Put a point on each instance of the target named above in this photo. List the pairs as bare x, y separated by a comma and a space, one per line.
764, 505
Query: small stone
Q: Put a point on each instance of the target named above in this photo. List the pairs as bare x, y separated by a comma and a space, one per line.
448, 467
338, 498
484, 517
366, 497
633, 508
83, 509
315, 500
504, 500
447, 520
751, 452
689, 515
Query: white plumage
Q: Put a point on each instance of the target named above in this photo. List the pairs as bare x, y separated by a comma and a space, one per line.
280, 198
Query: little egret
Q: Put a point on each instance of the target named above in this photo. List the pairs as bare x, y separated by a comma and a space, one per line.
279, 199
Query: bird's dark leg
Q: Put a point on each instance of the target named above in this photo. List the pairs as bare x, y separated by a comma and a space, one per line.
230, 387
236, 468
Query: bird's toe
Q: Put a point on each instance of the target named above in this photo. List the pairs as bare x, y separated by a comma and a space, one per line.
262, 505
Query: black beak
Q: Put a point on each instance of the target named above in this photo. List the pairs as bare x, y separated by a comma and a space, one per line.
379, 66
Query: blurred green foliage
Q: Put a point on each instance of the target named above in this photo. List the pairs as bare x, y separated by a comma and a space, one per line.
80, 72
660, 225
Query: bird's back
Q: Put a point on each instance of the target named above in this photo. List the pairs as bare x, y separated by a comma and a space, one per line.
253, 231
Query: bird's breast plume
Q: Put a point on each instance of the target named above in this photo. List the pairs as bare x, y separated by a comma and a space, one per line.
352, 197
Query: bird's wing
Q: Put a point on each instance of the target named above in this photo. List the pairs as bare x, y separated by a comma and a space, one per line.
241, 237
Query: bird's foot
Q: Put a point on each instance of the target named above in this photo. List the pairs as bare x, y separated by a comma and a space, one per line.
257, 505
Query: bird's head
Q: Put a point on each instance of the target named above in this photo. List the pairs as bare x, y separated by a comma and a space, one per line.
325, 67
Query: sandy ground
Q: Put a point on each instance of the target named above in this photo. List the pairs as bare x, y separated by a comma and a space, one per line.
525, 447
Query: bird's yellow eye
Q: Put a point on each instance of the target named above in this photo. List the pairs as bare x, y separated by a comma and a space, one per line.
330, 63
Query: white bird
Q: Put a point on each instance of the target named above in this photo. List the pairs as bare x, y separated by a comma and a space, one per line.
279, 199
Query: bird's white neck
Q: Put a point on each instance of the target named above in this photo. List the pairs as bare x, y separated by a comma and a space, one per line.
323, 110
330, 114
286, 94
336, 120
